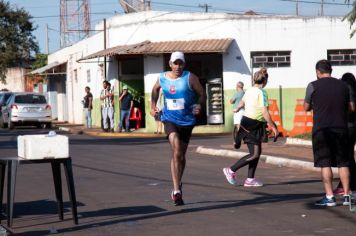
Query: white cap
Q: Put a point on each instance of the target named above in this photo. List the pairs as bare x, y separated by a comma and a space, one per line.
177, 56
124, 87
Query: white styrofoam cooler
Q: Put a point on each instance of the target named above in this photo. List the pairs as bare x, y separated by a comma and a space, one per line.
42, 146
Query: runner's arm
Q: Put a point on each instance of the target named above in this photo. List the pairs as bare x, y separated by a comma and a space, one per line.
154, 97
196, 86
269, 120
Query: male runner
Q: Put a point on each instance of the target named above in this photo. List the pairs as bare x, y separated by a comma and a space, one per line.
180, 89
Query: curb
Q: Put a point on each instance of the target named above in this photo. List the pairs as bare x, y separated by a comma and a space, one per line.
298, 141
128, 135
279, 161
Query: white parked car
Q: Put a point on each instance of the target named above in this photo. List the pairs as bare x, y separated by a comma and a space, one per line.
26, 109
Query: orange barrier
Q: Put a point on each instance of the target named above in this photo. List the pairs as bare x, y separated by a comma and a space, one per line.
303, 120
276, 117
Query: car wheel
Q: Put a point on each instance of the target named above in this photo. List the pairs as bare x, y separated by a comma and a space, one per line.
10, 124
49, 125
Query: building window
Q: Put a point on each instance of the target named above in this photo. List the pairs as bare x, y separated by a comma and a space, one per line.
270, 59
88, 76
341, 57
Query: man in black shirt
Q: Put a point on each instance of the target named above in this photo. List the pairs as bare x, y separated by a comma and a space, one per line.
88, 106
329, 99
126, 104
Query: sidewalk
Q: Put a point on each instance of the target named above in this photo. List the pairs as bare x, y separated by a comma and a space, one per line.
81, 129
279, 153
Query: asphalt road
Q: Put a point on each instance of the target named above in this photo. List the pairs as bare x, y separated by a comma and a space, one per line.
123, 188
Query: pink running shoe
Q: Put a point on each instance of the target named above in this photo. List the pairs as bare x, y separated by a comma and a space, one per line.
252, 183
230, 176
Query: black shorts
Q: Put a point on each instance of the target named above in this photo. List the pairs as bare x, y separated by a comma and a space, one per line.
184, 132
330, 148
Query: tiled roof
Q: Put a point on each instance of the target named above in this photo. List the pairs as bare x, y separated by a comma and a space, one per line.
147, 47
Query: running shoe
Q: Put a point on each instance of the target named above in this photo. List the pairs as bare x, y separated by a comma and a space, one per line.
252, 183
346, 200
230, 176
326, 202
177, 199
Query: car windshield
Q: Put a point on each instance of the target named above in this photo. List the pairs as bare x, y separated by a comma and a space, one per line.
4, 97
30, 99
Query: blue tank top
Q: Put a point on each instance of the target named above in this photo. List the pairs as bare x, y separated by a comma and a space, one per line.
179, 99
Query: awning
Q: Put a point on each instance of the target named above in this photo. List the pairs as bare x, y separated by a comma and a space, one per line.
46, 68
147, 47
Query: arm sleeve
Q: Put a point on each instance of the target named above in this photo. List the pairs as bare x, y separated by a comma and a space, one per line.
263, 99
308, 93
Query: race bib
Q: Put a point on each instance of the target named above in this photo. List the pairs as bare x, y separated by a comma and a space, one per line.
175, 104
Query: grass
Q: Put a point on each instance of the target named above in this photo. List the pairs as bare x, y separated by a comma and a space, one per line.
306, 136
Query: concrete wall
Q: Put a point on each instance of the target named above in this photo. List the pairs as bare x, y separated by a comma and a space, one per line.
15, 79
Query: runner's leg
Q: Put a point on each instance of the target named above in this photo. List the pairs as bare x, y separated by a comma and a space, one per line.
177, 165
257, 149
248, 158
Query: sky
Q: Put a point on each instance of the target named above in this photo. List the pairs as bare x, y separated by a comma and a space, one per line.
47, 11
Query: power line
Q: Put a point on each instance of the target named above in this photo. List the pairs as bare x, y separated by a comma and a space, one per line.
319, 3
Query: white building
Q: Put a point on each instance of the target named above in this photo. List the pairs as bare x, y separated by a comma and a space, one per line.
217, 45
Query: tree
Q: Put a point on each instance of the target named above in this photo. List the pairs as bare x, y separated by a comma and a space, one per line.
16, 40
41, 60
351, 16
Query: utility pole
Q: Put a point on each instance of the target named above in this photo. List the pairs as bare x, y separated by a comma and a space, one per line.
46, 40
322, 8
104, 49
297, 7
206, 6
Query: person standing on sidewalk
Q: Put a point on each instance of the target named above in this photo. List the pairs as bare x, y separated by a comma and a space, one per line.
330, 101
253, 129
235, 100
183, 97
107, 109
126, 105
88, 106
349, 79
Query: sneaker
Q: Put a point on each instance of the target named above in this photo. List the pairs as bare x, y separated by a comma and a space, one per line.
326, 202
339, 191
177, 199
346, 200
252, 183
230, 176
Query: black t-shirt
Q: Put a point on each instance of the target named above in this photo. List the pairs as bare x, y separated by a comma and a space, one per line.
126, 102
86, 100
329, 98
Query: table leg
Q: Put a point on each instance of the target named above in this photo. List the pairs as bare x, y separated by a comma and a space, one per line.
56, 171
2, 180
71, 189
11, 184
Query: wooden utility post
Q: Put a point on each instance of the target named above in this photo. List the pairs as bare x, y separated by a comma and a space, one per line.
104, 49
206, 6
46, 40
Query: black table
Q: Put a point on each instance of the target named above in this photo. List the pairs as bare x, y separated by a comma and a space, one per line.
13, 162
